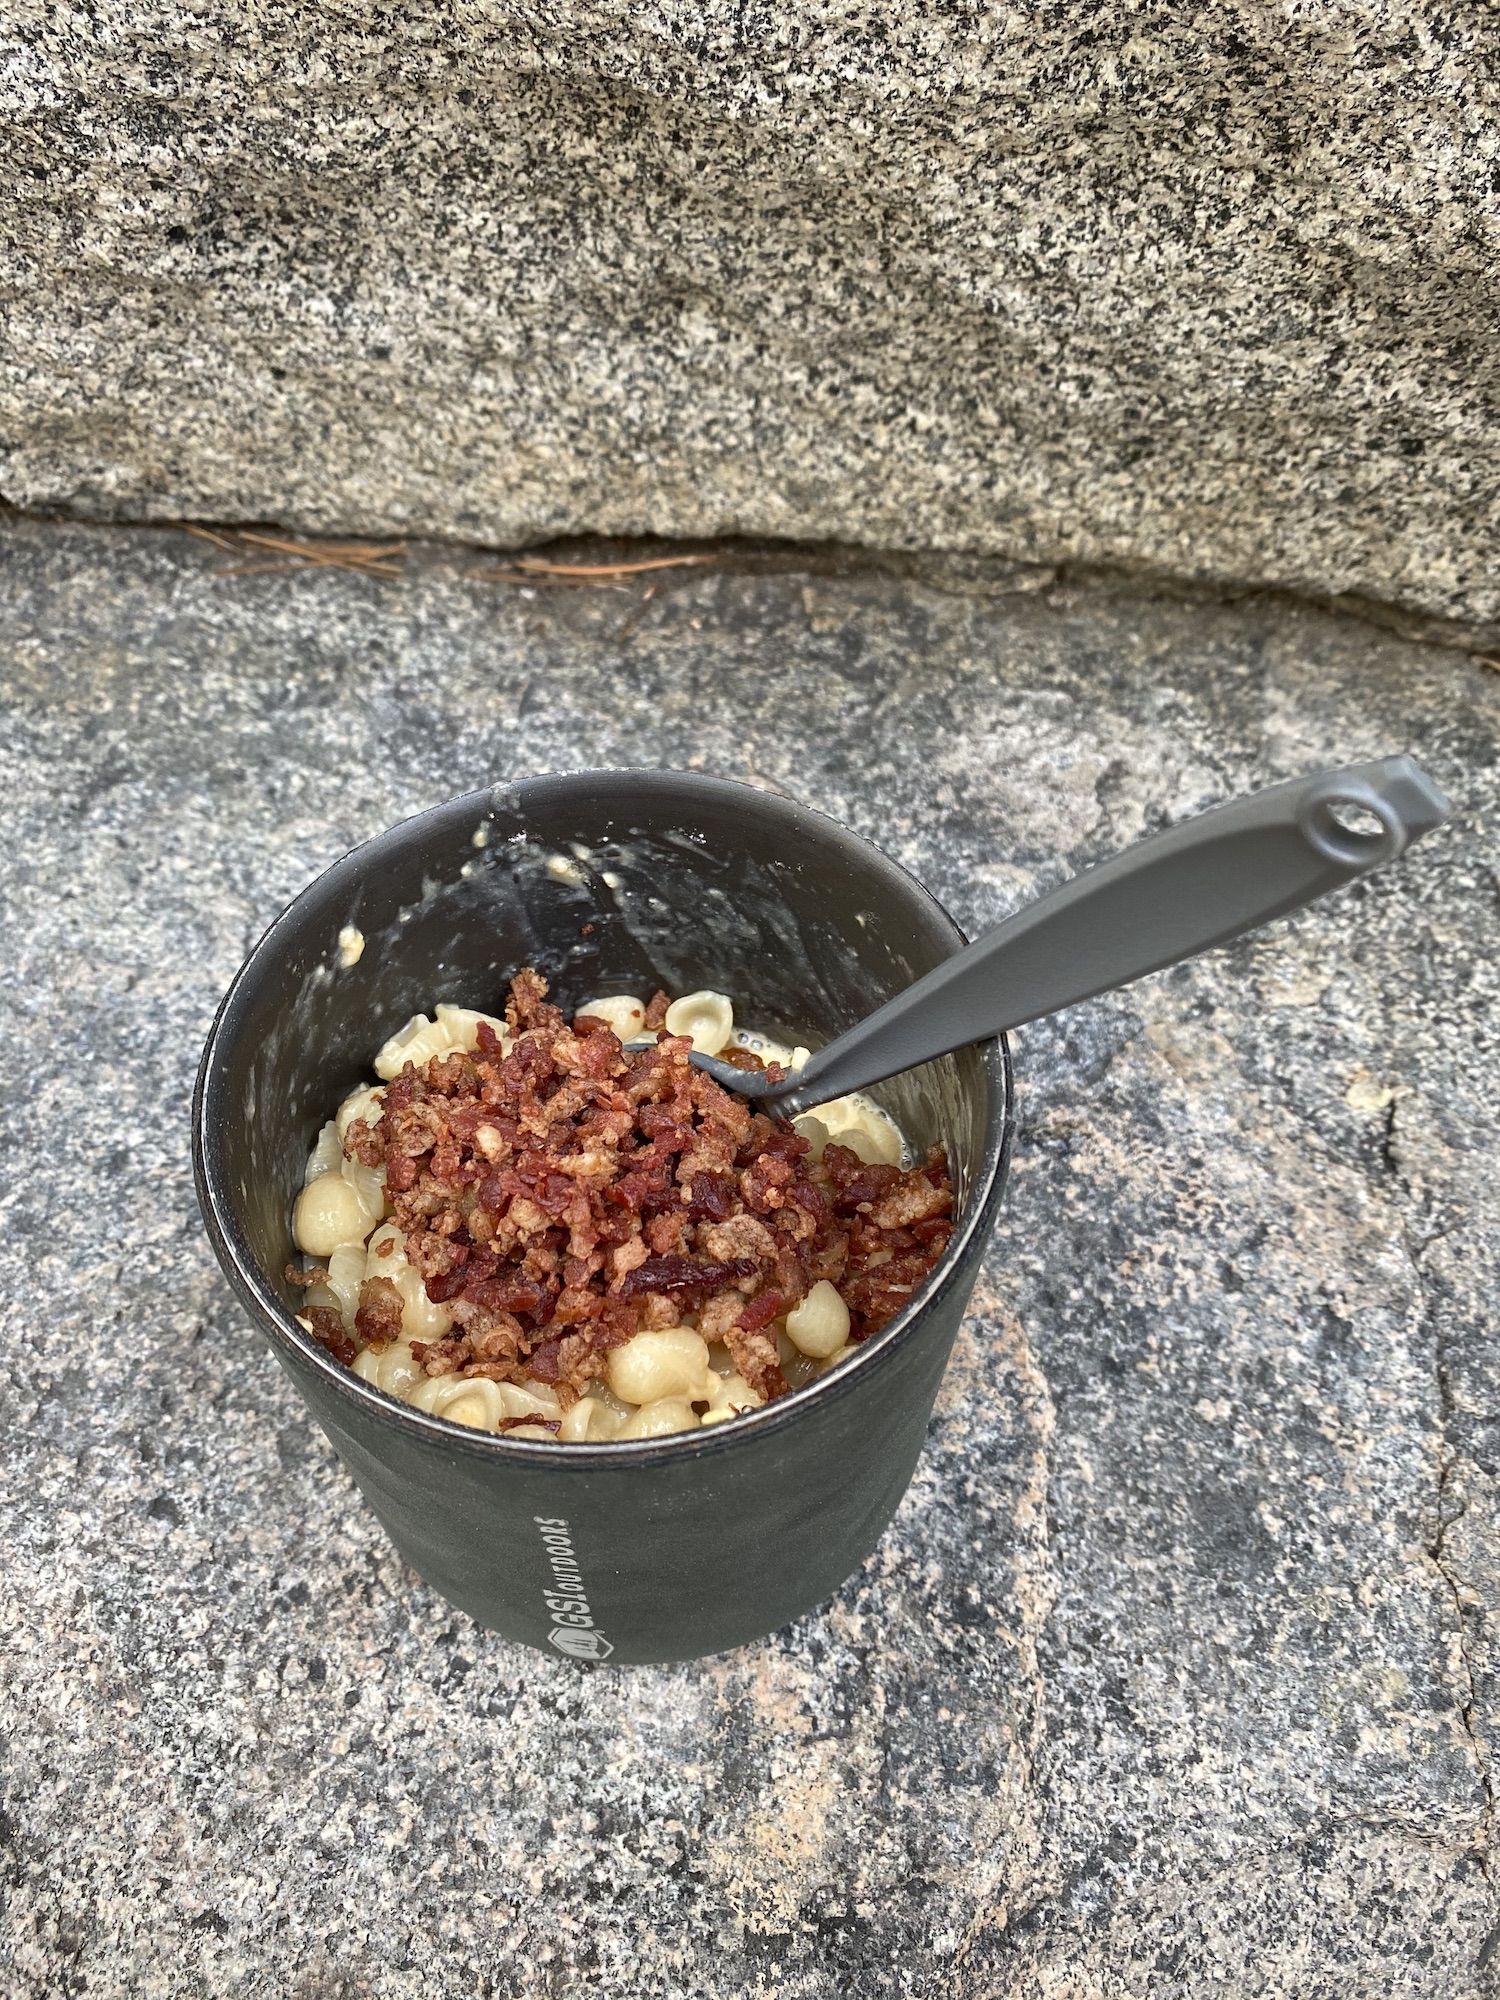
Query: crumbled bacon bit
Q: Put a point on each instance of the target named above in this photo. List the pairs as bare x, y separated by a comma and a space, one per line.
377, 1319
762, 1309
738, 1058
328, 1328
755, 1354
685, 1274
527, 1005
914, 1199
560, 1198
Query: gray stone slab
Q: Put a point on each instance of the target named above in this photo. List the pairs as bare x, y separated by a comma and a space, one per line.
1210, 290
1175, 1676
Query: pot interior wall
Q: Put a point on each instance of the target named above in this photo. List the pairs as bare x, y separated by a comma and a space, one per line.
608, 883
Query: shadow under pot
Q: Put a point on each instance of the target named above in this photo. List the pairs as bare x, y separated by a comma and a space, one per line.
607, 882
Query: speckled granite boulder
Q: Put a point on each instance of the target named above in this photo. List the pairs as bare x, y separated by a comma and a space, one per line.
1210, 290
1175, 1677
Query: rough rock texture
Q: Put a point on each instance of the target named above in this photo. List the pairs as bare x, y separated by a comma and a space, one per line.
1210, 290
1176, 1675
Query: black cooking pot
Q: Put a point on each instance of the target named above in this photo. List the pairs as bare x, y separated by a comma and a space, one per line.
607, 881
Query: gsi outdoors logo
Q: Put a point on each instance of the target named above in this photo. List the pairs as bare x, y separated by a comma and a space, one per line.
575, 1632
581, 1645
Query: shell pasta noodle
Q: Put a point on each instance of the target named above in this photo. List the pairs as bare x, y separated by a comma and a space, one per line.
625, 1014
525, 1228
707, 1019
819, 1326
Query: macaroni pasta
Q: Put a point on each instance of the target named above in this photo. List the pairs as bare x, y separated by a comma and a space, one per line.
664, 1379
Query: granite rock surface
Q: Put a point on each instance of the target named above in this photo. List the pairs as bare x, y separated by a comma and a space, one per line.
1175, 1675
1209, 291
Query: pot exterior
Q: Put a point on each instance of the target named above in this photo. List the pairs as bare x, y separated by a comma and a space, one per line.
666, 1548
693, 1553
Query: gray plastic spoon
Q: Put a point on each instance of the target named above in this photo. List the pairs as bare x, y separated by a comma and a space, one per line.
1214, 877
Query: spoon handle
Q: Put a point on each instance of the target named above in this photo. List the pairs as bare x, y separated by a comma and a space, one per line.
1171, 896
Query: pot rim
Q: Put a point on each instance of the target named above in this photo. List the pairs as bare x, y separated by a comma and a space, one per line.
271, 1313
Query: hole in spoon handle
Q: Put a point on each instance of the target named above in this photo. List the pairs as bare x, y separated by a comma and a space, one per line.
1367, 814
1351, 824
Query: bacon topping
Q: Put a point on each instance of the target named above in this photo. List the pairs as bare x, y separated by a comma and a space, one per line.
559, 1198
